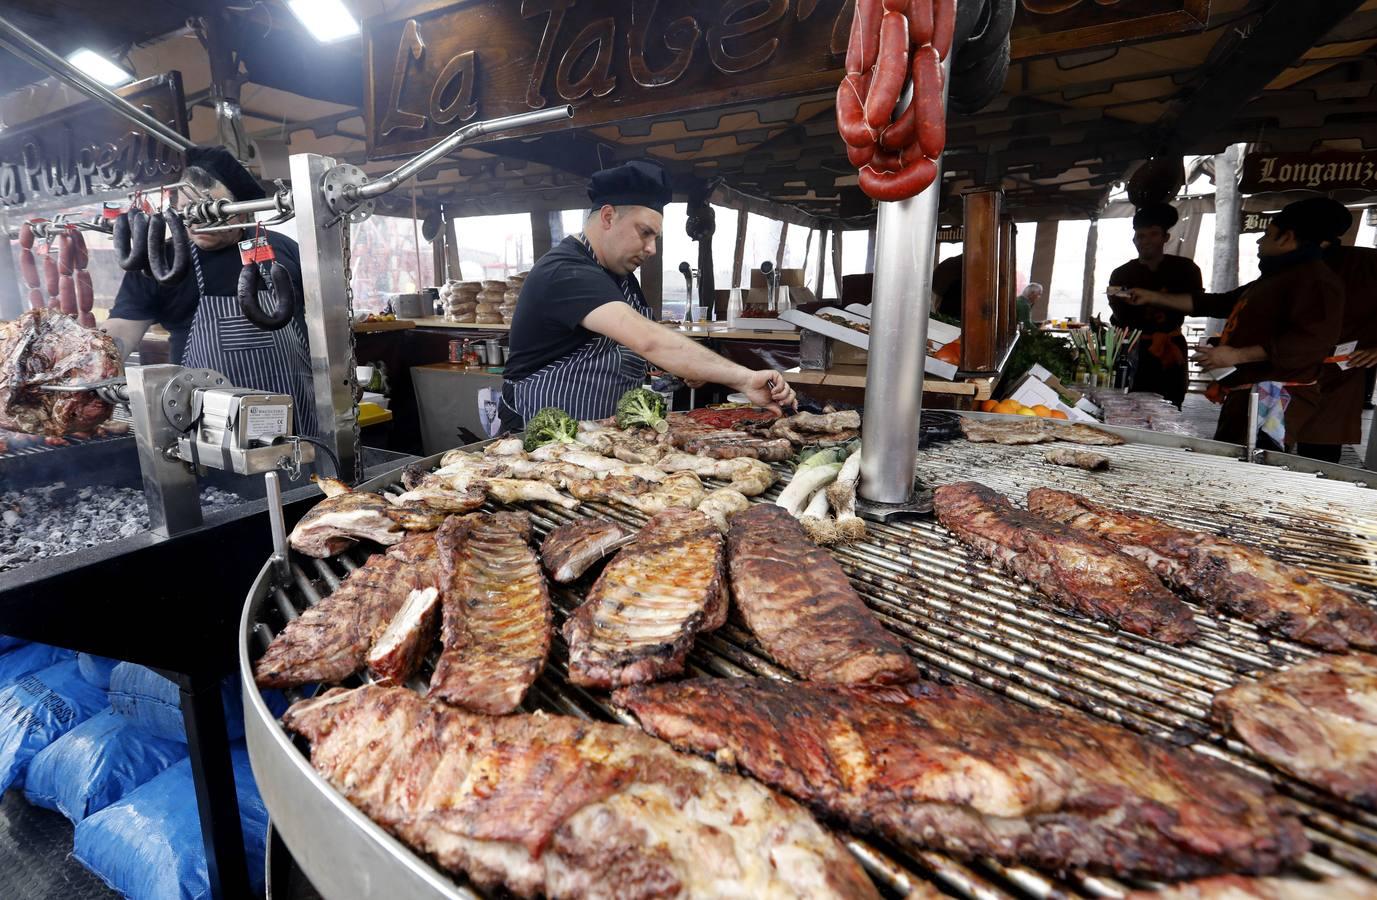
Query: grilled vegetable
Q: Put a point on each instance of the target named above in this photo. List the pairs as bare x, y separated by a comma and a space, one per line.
551, 425
807, 481
640, 407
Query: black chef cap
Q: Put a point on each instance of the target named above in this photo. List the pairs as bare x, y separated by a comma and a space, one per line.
221, 165
636, 183
1163, 215
1314, 219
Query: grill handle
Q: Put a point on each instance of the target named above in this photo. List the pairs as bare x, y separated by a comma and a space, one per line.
279, 527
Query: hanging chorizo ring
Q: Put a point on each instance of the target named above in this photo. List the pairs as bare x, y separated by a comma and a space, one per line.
164, 272
251, 282
131, 241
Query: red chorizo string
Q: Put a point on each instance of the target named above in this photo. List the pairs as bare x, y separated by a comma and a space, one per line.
892, 41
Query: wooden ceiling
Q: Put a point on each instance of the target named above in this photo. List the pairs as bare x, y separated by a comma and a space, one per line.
1064, 130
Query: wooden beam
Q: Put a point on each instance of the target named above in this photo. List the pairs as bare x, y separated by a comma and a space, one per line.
652, 279
980, 281
1092, 242
740, 251
1044, 256
779, 250
822, 261
733, 198
541, 238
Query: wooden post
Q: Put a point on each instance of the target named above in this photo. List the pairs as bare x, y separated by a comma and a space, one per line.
1092, 241
980, 281
779, 251
740, 251
1044, 256
1008, 289
541, 238
870, 251
652, 277
837, 261
452, 245
822, 260
557, 233
1228, 215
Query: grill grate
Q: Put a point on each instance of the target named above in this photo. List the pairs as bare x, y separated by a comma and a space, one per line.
961, 619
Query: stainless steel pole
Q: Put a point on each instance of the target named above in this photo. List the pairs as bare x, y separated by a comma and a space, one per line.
11, 300
489, 126
328, 328
905, 244
169, 485
27, 48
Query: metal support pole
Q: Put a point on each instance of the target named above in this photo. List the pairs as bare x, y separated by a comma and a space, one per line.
328, 328
169, 486
27, 48
212, 774
11, 300
905, 246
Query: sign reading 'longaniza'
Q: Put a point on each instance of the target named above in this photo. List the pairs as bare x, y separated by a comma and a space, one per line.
1326, 171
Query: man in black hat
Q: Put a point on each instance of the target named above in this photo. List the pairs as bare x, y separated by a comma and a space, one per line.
582, 331
1159, 366
201, 312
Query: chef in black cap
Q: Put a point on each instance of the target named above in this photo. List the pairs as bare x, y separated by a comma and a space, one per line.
201, 312
1159, 364
582, 331
1279, 332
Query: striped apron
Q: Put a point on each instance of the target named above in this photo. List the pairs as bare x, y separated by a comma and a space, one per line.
276, 362
587, 382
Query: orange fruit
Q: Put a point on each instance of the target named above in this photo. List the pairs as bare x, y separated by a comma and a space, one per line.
1058, 414
1007, 407
988, 405
1025, 411
1040, 410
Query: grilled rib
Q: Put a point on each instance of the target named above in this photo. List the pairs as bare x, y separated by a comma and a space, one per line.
1317, 720
566, 808
797, 601
571, 549
495, 613
346, 516
329, 641
1034, 431
1080, 459
651, 601
1237, 887
1074, 569
961, 770
398, 653
1224, 575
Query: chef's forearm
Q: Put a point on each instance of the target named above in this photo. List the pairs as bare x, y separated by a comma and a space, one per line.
692, 361
128, 333
1255, 354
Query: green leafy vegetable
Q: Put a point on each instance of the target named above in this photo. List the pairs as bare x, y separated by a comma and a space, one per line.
1053, 352
549, 425
642, 408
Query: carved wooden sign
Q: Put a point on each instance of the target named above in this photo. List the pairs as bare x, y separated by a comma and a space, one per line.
87, 150
1043, 27
433, 66
1325, 171
1255, 222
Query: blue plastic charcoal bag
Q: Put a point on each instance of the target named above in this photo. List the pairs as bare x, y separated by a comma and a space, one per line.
148, 845
155, 703
38, 709
8, 643
97, 669
29, 658
95, 764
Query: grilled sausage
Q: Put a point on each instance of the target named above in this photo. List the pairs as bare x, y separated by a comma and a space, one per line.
920, 22
927, 96
50, 276
26, 236
167, 272
28, 267
64, 253
909, 181
131, 241
251, 282
85, 291
890, 70
66, 294
851, 111
943, 25
81, 257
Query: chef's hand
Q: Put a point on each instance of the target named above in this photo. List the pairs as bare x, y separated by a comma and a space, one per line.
768, 388
1136, 296
1218, 357
1363, 359
693, 384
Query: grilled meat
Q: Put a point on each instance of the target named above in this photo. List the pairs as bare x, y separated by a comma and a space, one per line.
797, 601
961, 770
398, 653
1224, 575
329, 641
566, 808
1075, 570
1317, 720
694, 437
570, 550
682, 490
495, 613
1237, 887
44, 346
441, 499
609, 487
346, 516
830, 428
1035, 431
1079, 459
748, 476
651, 601
721, 504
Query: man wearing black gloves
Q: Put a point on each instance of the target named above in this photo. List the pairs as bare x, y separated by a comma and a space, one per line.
201, 312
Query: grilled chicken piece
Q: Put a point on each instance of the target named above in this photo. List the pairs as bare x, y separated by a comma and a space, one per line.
507, 447
475, 464
1079, 459
695, 437
401, 649
570, 550
1237, 887
572, 455
682, 490
561, 807
747, 475
1224, 575
1035, 431
1317, 720
651, 601
441, 499
345, 517
721, 505
1075, 570
620, 488
329, 641
960, 770
798, 602
830, 428
495, 612
514, 490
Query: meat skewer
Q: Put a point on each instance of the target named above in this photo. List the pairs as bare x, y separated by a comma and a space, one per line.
1075, 570
1223, 574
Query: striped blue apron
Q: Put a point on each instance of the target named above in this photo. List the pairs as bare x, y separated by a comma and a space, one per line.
276, 362
587, 382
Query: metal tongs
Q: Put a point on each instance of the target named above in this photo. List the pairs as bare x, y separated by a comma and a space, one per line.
111, 390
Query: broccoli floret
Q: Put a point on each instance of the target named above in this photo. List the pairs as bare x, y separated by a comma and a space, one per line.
642, 407
549, 425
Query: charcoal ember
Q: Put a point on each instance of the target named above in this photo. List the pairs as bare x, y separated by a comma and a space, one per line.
54, 520
44, 346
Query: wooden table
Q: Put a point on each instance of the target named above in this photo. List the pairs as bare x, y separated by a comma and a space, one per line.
377, 327
855, 377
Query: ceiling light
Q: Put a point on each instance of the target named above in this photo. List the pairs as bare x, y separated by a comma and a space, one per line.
100, 68
327, 20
